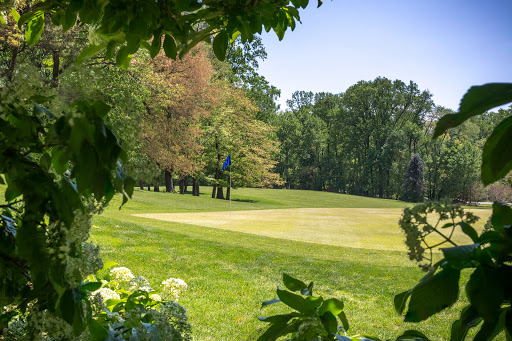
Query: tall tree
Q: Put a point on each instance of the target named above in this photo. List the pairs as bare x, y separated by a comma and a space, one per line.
243, 59
232, 129
178, 95
414, 183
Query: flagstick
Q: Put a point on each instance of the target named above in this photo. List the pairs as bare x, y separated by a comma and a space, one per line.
230, 188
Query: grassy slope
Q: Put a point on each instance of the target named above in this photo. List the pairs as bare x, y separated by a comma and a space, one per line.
231, 273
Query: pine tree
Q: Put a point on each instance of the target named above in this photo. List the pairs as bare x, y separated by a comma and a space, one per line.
413, 187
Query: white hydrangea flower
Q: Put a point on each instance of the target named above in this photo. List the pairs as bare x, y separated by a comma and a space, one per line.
106, 294
174, 287
155, 297
121, 274
174, 311
100, 296
146, 288
139, 282
45, 324
17, 327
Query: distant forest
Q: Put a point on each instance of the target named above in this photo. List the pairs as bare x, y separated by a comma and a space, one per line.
361, 141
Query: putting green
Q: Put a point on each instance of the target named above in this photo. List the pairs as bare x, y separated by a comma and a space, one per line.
370, 228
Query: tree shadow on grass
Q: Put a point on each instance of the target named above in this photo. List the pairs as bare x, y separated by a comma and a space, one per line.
246, 200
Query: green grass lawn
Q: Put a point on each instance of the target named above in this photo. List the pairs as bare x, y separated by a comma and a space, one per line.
230, 272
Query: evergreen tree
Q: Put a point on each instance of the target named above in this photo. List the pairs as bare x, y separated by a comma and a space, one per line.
414, 184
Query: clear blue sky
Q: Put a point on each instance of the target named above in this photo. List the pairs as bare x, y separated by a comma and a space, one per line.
444, 46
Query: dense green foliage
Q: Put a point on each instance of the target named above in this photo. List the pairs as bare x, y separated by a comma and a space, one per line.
50, 195
360, 142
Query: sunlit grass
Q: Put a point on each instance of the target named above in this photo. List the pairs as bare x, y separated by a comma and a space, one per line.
231, 272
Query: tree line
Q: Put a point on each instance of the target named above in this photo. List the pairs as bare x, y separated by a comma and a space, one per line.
361, 142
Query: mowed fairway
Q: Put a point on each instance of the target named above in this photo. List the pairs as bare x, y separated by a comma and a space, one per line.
351, 247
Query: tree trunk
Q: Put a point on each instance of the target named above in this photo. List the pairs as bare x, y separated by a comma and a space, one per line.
141, 184
182, 185
56, 69
157, 187
149, 187
185, 184
220, 193
169, 183
228, 193
217, 170
12, 63
195, 187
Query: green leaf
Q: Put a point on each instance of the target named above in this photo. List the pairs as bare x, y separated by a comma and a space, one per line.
123, 57
26, 17
156, 45
101, 108
220, 45
45, 161
98, 332
34, 28
344, 320
276, 330
297, 302
278, 318
15, 14
468, 318
12, 191
329, 322
486, 292
293, 284
269, 302
476, 101
91, 286
69, 19
433, 294
412, 335
334, 306
469, 231
88, 52
459, 256
108, 265
170, 47
400, 301
496, 156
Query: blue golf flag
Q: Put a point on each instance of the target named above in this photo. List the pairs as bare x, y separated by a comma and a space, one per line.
227, 162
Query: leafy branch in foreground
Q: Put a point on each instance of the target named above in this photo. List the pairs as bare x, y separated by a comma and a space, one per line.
489, 288
59, 170
177, 26
313, 317
496, 156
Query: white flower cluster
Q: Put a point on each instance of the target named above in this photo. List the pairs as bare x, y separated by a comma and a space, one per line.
47, 326
121, 274
139, 283
175, 311
16, 328
177, 315
174, 287
102, 295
